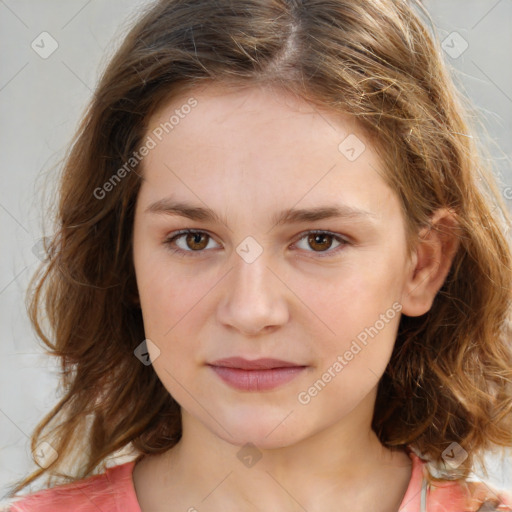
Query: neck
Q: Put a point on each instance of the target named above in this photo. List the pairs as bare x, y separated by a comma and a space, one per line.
344, 464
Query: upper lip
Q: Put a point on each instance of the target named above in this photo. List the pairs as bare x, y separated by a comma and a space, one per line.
255, 364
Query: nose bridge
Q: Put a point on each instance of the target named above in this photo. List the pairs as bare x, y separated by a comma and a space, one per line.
252, 276
253, 296
253, 283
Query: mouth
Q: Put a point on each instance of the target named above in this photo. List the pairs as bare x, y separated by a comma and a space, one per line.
257, 375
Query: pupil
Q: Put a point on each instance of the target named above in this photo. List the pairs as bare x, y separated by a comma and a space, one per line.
196, 240
317, 239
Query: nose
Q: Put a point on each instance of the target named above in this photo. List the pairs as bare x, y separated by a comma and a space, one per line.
253, 298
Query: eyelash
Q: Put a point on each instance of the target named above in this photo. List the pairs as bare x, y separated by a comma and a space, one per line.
321, 254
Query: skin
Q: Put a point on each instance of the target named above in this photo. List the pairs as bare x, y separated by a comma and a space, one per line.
247, 154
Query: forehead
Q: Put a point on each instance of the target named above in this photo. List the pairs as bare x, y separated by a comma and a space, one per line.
262, 144
235, 105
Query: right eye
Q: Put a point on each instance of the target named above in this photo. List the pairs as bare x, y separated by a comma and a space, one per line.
193, 241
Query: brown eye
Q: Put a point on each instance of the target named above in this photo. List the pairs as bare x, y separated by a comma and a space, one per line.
193, 241
189, 243
320, 241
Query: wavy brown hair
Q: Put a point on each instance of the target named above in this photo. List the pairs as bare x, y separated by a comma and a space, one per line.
450, 375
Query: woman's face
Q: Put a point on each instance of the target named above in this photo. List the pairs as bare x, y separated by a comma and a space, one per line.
255, 283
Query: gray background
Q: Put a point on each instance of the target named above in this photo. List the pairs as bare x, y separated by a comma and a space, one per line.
41, 101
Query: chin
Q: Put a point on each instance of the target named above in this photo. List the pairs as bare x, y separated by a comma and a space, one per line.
269, 430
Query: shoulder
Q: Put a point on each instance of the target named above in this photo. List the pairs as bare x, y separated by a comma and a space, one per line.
468, 496
111, 490
451, 495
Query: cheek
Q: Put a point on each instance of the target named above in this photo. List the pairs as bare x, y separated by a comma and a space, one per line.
350, 362
347, 300
356, 317
168, 304
167, 291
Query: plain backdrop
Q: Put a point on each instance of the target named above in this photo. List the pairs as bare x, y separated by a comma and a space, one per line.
41, 100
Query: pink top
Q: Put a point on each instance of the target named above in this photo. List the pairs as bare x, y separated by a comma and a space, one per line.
113, 491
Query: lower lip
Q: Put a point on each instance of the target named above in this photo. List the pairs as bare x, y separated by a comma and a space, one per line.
257, 380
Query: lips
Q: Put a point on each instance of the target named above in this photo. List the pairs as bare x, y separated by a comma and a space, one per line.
256, 375
256, 364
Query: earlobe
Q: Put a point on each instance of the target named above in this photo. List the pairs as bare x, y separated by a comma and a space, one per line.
431, 261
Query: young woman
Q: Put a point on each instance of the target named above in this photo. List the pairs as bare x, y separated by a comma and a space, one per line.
278, 277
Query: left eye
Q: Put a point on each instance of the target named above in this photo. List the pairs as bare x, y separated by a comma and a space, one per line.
322, 240
197, 241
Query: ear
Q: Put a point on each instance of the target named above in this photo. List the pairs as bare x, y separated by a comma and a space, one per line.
430, 263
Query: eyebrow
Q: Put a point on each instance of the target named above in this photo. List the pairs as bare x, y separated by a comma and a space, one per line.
167, 206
